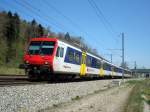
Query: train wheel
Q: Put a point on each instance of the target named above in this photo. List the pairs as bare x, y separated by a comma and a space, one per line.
42, 76
51, 77
32, 76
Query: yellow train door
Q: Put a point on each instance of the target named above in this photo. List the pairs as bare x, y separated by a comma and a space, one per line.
83, 64
101, 72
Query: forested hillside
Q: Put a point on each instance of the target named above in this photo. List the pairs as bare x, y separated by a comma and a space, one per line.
15, 34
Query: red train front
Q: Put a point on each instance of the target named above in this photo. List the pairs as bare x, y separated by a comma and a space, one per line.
38, 59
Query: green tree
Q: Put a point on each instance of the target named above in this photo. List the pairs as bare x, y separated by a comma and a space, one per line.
33, 30
40, 30
67, 36
10, 35
3, 42
16, 22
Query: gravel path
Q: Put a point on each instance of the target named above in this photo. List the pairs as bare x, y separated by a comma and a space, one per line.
112, 100
31, 98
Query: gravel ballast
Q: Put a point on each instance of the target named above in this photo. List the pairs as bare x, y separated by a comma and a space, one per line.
36, 97
110, 100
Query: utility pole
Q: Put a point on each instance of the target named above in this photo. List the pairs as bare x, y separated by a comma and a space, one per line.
111, 57
122, 35
122, 55
135, 68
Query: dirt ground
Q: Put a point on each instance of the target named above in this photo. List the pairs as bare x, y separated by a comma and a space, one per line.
110, 100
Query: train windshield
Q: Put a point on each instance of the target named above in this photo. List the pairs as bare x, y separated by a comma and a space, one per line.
41, 48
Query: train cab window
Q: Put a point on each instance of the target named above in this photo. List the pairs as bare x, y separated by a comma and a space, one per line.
34, 48
42, 48
47, 48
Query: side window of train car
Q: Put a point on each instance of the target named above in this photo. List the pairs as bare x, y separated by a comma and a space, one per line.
61, 52
98, 63
93, 62
112, 68
115, 69
89, 61
70, 56
58, 51
107, 66
77, 58
102, 65
120, 70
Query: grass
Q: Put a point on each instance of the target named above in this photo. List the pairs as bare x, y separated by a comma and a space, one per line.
133, 82
146, 93
11, 71
135, 101
55, 105
76, 98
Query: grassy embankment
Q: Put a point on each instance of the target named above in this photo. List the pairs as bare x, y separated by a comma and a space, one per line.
11, 71
136, 100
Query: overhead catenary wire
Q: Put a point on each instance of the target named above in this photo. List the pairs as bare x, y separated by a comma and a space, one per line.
68, 19
101, 17
74, 24
64, 16
45, 15
105, 19
36, 11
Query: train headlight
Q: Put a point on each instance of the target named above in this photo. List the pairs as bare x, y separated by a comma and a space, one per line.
46, 62
27, 62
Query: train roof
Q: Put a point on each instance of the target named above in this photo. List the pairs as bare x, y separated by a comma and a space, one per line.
44, 39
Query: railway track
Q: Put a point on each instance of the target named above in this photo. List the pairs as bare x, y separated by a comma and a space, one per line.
17, 80
20, 80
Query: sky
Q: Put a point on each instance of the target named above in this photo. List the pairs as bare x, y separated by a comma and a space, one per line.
99, 22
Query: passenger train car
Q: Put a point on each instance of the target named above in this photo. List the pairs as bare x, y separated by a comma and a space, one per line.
52, 57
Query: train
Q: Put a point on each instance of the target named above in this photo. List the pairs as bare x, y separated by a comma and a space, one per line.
51, 58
